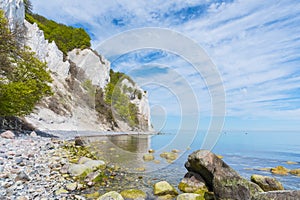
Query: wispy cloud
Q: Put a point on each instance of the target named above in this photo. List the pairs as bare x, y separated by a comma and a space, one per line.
255, 45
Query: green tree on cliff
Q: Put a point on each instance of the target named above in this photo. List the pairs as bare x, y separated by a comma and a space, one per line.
23, 78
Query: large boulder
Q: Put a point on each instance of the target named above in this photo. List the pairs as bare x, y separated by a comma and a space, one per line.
278, 195
225, 182
192, 183
266, 183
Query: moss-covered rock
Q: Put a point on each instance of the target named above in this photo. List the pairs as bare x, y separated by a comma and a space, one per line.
111, 196
169, 156
133, 194
280, 170
192, 183
266, 183
94, 195
78, 169
190, 196
164, 188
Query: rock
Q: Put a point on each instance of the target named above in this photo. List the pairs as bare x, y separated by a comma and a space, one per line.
190, 196
266, 183
33, 134
278, 195
292, 163
61, 191
192, 183
78, 169
169, 156
175, 151
8, 135
266, 169
133, 194
83, 160
280, 170
164, 188
71, 186
148, 157
219, 177
95, 164
111, 196
295, 172
91, 177
93, 195
151, 151
22, 176
219, 156
78, 141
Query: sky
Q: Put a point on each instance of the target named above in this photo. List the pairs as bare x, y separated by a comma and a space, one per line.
254, 46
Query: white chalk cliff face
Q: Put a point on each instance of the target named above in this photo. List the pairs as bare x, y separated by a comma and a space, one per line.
71, 108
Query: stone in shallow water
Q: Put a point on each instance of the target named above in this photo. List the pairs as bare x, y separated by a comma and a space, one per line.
190, 196
266, 183
77, 169
148, 157
295, 172
192, 183
164, 188
133, 194
280, 170
111, 196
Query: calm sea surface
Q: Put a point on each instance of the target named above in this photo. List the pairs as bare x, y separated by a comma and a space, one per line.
244, 151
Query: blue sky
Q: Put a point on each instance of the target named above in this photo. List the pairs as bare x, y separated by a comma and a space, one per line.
254, 44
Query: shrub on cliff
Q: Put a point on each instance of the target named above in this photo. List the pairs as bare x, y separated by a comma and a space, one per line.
23, 78
66, 38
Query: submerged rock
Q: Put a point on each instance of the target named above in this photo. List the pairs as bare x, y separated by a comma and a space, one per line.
111, 196
267, 183
148, 157
163, 188
169, 156
190, 196
8, 135
292, 163
278, 195
225, 182
295, 172
133, 194
280, 170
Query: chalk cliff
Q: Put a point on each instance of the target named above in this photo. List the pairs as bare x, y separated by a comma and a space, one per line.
72, 106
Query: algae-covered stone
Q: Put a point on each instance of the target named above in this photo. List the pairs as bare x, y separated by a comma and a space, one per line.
295, 172
169, 155
148, 157
190, 196
133, 194
111, 196
280, 170
93, 195
163, 188
192, 183
266, 183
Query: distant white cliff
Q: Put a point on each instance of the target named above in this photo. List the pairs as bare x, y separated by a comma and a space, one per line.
71, 107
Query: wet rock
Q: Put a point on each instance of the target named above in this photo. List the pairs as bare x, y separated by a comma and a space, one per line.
164, 188
219, 177
133, 194
111, 196
61, 191
151, 151
78, 169
278, 195
266, 183
79, 141
22, 176
292, 163
192, 183
190, 196
95, 164
280, 170
175, 151
169, 156
148, 157
91, 177
8, 135
295, 172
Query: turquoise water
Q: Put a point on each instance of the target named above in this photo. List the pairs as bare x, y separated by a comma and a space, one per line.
245, 152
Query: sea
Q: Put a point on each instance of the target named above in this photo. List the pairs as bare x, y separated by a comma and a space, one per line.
245, 151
